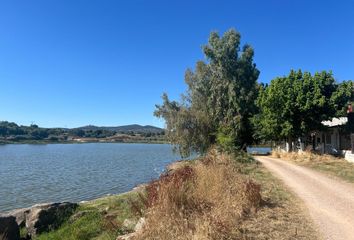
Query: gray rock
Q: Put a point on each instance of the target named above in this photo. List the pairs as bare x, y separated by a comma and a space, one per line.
9, 230
46, 217
20, 215
140, 225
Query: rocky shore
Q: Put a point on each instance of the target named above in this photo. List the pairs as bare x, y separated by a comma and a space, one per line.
49, 216
35, 220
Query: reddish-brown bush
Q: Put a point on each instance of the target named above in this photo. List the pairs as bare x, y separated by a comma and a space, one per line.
205, 200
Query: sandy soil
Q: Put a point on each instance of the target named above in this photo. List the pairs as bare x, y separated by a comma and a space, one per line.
330, 201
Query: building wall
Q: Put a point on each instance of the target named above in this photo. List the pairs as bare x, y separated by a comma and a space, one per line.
345, 142
333, 137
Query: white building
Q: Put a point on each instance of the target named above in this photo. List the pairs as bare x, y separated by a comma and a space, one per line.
335, 136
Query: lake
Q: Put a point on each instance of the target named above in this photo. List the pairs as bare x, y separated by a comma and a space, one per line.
259, 150
31, 174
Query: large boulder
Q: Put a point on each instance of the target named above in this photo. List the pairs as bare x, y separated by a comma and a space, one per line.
9, 230
20, 215
46, 217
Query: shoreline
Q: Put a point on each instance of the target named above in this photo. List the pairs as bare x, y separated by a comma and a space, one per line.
40, 142
9, 212
140, 187
8, 204
29, 222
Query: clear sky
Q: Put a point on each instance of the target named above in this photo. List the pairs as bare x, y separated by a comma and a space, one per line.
67, 63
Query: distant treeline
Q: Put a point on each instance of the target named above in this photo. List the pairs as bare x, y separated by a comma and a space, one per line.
11, 131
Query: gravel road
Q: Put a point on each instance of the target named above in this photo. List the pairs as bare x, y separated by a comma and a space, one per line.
330, 201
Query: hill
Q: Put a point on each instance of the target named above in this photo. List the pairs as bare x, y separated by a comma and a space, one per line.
12, 133
125, 129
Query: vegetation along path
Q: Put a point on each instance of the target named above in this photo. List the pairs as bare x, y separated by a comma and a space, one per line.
330, 201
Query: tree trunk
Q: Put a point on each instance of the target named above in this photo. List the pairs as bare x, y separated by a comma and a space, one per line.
289, 145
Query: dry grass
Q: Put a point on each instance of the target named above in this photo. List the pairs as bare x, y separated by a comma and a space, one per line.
334, 166
206, 200
216, 198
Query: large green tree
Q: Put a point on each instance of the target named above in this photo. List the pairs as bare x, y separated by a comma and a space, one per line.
294, 105
220, 99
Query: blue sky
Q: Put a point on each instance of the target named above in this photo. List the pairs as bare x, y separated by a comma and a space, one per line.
71, 63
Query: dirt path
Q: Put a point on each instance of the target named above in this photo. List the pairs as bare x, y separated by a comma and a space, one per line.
330, 201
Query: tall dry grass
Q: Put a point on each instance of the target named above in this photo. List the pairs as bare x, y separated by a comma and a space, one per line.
206, 200
305, 156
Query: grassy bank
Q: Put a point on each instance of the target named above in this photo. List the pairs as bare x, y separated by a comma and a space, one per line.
216, 197
99, 219
335, 166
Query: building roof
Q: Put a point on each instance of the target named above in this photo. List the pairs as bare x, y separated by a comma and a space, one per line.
335, 122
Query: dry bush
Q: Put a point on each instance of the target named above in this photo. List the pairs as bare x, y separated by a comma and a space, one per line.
276, 154
304, 156
206, 200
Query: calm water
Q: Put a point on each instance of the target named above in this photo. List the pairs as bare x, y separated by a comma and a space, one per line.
259, 150
32, 174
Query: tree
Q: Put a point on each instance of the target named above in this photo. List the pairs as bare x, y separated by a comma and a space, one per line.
233, 88
343, 95
220, 99
39, 133
78, 132
294, 105
276, 105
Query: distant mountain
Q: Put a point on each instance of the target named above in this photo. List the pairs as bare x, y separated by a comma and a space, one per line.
126, 128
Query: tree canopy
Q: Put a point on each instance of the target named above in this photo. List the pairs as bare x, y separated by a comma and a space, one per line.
342, 96
294, 105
